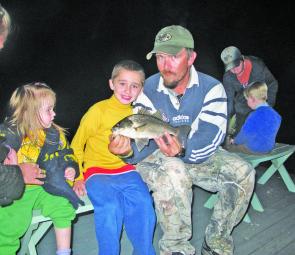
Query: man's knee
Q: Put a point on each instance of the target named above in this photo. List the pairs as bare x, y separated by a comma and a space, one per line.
177, 173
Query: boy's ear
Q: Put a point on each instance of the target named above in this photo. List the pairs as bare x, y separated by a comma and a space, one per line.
111, 84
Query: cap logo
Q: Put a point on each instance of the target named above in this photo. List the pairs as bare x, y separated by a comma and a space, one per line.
164, 37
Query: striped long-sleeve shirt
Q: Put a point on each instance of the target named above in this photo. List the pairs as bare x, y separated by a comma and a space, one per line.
203, 106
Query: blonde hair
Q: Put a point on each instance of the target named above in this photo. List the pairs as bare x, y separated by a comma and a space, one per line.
5, 22
25, 104
129, 65
257, 90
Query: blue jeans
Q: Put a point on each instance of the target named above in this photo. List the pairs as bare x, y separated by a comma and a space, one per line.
117, 200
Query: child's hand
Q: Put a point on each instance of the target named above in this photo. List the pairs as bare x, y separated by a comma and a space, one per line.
70, 173
119, 145
11, 158
79, 188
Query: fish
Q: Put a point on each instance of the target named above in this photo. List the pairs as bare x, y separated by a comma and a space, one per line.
143, 126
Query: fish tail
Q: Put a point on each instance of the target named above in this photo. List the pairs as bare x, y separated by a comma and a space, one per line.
183, 132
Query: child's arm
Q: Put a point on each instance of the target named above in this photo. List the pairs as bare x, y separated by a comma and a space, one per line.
79, 188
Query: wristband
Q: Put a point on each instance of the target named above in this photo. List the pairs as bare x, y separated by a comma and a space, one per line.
126, 156
181, 153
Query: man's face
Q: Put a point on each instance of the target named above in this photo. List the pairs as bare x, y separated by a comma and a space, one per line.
174, 68
238, 69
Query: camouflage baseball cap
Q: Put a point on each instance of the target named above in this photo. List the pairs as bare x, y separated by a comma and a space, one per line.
231, 57
171, 40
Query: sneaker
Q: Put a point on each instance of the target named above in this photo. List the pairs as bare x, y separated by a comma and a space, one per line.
206, 250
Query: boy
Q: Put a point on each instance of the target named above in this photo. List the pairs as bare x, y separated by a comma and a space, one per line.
258, 134
116, 190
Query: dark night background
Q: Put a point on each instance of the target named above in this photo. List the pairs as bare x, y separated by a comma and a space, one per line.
73, 45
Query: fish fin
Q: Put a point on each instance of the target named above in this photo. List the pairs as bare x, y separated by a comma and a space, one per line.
140, 143
183, 134
138, 127
144, 111
156, 114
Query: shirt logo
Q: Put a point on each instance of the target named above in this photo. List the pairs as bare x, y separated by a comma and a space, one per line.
180, 119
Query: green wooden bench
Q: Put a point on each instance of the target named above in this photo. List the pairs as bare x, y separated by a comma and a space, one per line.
277, 156
40, 225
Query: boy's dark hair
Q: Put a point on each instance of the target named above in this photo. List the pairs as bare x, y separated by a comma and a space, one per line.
129, 65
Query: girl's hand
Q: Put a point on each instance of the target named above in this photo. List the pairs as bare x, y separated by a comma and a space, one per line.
70, 173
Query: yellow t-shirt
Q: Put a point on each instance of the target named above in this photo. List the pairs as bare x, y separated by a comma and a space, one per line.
90, 143
30, 150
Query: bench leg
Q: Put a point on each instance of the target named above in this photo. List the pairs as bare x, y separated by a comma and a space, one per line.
26, 239
255, 202
277, 165
287, 179
247, 218
211, 201
37, 236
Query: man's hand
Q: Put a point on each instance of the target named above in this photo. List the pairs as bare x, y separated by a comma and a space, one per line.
79, 188
11, 158
169, 145
31, 173
120, 145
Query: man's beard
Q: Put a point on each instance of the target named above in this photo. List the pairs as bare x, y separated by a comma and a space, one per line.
171, 85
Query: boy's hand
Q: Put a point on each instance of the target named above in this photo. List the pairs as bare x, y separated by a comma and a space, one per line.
120, 145
79, 188
70, 173
169, 145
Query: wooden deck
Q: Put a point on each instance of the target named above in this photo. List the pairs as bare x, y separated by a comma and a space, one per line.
271, 232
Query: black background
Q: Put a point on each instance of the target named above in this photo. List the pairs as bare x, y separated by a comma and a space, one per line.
73, 45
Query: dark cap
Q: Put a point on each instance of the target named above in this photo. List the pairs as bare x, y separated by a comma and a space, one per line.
11, 184
171, 40
231, 57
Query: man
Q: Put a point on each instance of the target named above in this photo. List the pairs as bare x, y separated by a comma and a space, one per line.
12, 176
185, 96
240, 71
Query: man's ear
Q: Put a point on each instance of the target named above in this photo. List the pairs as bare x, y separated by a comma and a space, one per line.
192, 58
111, 84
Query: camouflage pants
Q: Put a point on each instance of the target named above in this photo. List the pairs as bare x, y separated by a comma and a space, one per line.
171, 182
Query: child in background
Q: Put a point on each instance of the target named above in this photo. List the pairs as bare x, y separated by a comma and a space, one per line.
116, 190
258, 134
31, 117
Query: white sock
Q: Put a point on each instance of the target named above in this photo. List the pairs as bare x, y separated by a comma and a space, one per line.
64, 252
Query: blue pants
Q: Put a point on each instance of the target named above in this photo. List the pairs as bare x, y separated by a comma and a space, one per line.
117, 200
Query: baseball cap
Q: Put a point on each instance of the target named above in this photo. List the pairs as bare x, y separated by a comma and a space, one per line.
171, 40
231, 57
